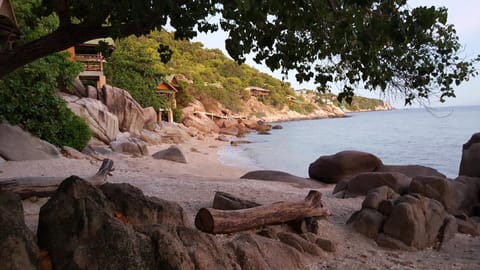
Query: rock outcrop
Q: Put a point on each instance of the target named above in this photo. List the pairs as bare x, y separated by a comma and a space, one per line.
130, 145
407, 222
173, 153
469, 165
17, 144
411, 170
342, 165
117, 227
362, 183
18, 248
129, 113
103, 124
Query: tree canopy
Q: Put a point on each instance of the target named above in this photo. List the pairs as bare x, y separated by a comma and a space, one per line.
378, 44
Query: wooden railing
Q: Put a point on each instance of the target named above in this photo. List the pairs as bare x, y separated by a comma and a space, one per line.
92, 62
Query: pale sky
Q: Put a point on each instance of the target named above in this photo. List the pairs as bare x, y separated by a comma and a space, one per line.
464, 14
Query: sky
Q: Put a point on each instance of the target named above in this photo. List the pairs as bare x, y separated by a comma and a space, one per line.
464, 14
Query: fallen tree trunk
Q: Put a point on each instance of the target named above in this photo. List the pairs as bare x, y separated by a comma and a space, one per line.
27, 187
227, 221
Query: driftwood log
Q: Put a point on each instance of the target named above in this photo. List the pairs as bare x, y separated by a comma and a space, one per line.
45, 186
218, 221
227, 201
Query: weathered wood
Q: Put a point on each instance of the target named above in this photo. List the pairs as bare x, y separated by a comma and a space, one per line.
43, 186
227, 221
226, 201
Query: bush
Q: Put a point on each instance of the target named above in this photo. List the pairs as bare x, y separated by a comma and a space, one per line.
29, 99
177, 115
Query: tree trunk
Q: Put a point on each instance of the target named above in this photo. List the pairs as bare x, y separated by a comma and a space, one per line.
45, 186
227, 221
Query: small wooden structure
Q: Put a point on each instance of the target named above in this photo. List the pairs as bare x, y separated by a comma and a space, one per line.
258, 92
168, 89
92, 59
9, 31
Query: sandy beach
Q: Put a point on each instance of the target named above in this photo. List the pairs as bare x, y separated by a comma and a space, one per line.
194, 184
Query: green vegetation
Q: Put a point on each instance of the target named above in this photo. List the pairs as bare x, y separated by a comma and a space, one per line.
28, 95
358, 103
136, 65
382, 45
29, 99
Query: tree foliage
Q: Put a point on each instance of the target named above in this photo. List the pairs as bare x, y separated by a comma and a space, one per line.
135, 65
28, 95
378, 44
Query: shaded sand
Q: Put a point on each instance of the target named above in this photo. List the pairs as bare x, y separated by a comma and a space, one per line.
193, 186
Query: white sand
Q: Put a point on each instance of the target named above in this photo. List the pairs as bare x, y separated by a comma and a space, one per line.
193, 185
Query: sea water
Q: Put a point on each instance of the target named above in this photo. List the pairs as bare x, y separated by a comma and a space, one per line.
429, 137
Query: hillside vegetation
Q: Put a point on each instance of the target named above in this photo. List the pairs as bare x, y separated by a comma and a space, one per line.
137, 64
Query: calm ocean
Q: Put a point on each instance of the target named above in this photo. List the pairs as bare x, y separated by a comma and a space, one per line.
412, 136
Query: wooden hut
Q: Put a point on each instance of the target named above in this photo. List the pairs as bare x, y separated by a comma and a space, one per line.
258, 92
9, 31
169, 91
92, 59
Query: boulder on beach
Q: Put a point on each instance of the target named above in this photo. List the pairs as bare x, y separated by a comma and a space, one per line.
131, 146
17, 144
469, 165
411, 170
342, 165
18, 247
362, 183
173, 153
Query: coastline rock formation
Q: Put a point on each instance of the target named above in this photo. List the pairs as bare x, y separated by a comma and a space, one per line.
342, 165
17, 144
469, 165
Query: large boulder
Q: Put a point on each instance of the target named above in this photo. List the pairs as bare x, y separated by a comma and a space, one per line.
342, 165
416, 221
128, 111
103, 124
83, 227
469, 166
411, 170
150, 118
173, 133
457, 196
141, 209
79, 229
201, 122
362, 183
18, 248
173, 153
367, 221
131, 146
151, 137
16, 144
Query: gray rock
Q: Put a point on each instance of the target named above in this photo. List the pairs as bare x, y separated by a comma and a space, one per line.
16, 144
72, 153
102, 123
79, 89
376, 196
326, 245
150, 118
299, 243
279, 176
151, 137
132, 146
18, 248
223, 138
80, 230
367, 222
92, 92
362, 183
140, 209
386, 241
440, 189
471, 157
173, 153
416, 221
468, 227
448, 230
277, 127
342, 165
121, 104
411, 170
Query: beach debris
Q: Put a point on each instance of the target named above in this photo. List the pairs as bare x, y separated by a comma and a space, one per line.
217, 221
